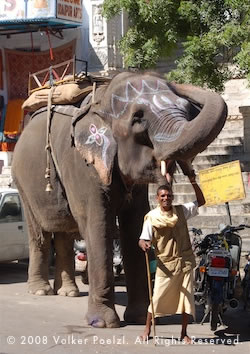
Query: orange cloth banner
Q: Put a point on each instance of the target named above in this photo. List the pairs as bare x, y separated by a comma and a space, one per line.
19, 64
1, 71
7, 146
14, 116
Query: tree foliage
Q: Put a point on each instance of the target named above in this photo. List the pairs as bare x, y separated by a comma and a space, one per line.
206, 30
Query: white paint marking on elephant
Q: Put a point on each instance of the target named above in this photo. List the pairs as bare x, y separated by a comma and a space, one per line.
132, 94
166, 100
166, 138
174, 131
98, 137
158, 102
182, 103
159, 105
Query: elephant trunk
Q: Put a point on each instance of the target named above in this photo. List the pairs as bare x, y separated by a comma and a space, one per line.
198, 133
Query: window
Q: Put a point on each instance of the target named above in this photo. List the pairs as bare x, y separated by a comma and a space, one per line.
10, 210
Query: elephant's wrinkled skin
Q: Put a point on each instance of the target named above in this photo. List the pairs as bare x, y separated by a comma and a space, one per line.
135, 122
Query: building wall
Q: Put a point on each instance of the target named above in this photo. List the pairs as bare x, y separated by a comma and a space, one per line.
96, 41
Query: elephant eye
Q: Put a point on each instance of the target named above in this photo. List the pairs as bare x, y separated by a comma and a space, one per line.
138, 117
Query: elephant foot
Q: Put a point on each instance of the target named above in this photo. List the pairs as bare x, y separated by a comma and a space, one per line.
66, 289
72, 291
40, 289
102, 316
136, 314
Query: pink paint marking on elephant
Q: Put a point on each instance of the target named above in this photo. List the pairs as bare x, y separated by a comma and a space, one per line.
96, 136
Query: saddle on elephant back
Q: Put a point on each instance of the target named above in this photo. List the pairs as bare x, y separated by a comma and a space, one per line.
60, 92
66, 89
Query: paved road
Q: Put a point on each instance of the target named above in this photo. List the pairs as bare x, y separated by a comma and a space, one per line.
54, 324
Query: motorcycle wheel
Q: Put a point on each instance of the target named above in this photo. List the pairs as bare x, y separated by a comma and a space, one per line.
85, 277
214, 317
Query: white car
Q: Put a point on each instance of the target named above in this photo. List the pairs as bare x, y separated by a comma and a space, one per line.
13, 231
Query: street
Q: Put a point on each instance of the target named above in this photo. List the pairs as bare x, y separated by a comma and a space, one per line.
55, 324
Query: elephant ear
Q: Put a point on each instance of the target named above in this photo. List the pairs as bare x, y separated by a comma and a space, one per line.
93, 138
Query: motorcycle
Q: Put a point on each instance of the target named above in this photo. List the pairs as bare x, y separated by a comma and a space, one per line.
81, 259
246, 283
218, 272
196, 237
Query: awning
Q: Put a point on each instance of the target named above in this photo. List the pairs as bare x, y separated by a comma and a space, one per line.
19, 26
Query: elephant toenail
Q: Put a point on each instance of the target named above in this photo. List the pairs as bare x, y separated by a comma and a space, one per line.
40, 292
98, 323
73, 293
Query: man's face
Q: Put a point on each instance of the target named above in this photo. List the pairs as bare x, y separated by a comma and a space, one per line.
165, 198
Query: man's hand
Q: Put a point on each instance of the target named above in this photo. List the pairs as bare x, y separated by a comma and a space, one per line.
145, 245
198, 192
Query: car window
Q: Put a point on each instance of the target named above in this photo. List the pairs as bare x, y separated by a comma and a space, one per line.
10, 210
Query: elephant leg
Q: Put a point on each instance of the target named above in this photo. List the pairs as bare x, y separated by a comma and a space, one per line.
39, 250
65, 284
101, 311
130, 224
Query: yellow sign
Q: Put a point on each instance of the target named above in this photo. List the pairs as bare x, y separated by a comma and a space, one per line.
223, 183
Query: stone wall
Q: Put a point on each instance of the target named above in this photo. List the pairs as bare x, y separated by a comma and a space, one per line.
103, 52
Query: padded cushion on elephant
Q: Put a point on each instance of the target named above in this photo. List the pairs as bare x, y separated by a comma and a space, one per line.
66, 93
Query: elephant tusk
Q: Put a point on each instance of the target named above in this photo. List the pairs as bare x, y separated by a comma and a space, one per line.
163, 168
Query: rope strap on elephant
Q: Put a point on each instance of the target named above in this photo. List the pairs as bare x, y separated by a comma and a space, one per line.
48, 139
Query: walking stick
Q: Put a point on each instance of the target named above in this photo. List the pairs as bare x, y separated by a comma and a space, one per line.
150, 295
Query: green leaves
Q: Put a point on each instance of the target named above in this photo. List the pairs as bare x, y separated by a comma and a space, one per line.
205, 29
243, 59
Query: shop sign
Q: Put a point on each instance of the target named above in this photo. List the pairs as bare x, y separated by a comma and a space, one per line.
12, 9
69, 10
37, 9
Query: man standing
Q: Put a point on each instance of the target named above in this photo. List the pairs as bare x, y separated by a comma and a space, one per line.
165, 227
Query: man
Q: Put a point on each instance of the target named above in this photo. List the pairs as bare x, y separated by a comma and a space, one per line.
165, 227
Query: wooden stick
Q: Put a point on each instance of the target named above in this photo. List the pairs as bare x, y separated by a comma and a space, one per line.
150, 295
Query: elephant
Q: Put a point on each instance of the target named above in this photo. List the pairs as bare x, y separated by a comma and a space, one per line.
103, 156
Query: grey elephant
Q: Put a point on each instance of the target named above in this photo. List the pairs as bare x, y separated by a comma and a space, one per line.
104, 156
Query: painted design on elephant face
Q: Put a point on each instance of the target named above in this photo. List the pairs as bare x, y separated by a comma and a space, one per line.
98, 137
154, 97
171, 112
151, 96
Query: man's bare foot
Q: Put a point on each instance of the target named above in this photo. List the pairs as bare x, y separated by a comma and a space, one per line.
145, 334
186, 339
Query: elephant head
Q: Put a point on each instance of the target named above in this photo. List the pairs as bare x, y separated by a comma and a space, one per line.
146, 122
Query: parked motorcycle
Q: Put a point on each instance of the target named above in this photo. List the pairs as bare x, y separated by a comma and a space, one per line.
246, 283
196, 237
218, 272
81, 259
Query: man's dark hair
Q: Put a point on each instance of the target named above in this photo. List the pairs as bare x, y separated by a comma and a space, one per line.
165, 187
